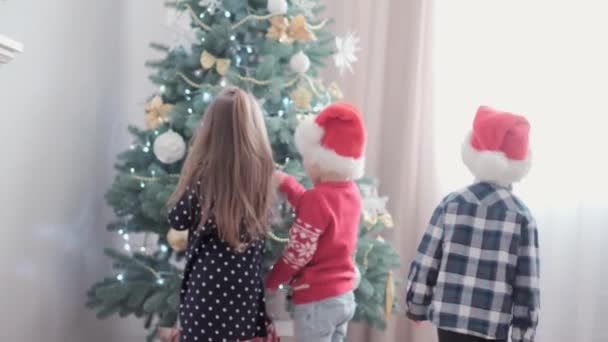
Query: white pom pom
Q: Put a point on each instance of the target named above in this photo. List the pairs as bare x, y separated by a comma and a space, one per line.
169, 147
299, 62
278, 7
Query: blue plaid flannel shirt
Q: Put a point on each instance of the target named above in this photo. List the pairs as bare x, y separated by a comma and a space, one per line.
477, 267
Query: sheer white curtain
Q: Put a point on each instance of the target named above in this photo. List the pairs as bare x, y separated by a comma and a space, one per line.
549, 61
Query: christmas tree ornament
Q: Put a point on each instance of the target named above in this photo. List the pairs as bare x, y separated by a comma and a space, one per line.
374, 207
211, 5
369, 221
389, 298
299, 30
157, 112
299, 62
178, 239
208, 60
278, 30
169, 147
180, 25
301, 97
386, 219
287, 31
357, 280
307, 7
278, 7
335, 92
346, 49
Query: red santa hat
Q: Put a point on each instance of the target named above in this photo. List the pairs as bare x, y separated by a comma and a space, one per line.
498, 149
334, 140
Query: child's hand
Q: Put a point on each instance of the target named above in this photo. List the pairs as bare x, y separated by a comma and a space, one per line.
279, 176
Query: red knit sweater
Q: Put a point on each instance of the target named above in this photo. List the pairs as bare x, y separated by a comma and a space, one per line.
318, 260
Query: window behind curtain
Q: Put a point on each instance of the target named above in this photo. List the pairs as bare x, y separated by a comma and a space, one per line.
547, 60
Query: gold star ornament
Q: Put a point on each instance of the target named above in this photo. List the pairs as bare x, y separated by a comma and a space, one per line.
157, 112
301, 97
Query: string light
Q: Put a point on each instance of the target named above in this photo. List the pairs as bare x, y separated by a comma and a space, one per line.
126, 237
281, 287
202, 15
153, 172
227, 14
164, 248
285, 101
148, 143
127, 247
156, 132
146, 149
249, 49
132, 170
120, 232
206, 97
160, 281
132, 147
142, 249
281, 113
233, 37
190, 111
163, 88
142, 185
188, 98
223, 82
120, 277
238, 60
203, 39
187, 91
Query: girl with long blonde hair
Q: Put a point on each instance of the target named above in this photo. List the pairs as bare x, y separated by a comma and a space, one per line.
224, 198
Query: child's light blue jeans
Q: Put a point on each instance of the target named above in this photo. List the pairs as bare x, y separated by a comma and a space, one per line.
324, 321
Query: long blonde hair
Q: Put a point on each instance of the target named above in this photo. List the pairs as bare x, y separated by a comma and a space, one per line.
231, 157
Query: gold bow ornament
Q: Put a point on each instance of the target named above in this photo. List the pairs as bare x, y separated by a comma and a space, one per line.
286, 31
157, 112
222, 65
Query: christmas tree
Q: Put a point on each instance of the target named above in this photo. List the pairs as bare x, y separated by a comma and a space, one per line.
274, 49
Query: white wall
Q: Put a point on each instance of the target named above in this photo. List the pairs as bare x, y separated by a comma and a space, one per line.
65, 103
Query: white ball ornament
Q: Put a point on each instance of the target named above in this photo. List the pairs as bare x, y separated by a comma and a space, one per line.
178, 239
278, 7
169, 147
299, 62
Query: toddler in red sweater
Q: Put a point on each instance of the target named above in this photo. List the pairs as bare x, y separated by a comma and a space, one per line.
318, 260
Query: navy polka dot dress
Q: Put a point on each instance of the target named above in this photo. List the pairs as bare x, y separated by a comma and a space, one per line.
222, 296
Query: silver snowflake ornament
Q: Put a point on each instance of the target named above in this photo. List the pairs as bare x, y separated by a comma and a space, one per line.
212, 5
346, 49
373, 204
182, 33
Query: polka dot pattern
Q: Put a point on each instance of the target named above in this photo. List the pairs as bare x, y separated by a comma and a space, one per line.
222, 295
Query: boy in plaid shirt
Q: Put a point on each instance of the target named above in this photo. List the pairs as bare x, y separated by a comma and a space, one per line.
476, 273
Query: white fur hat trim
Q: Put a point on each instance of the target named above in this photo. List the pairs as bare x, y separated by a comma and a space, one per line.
308, 141
494, 166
